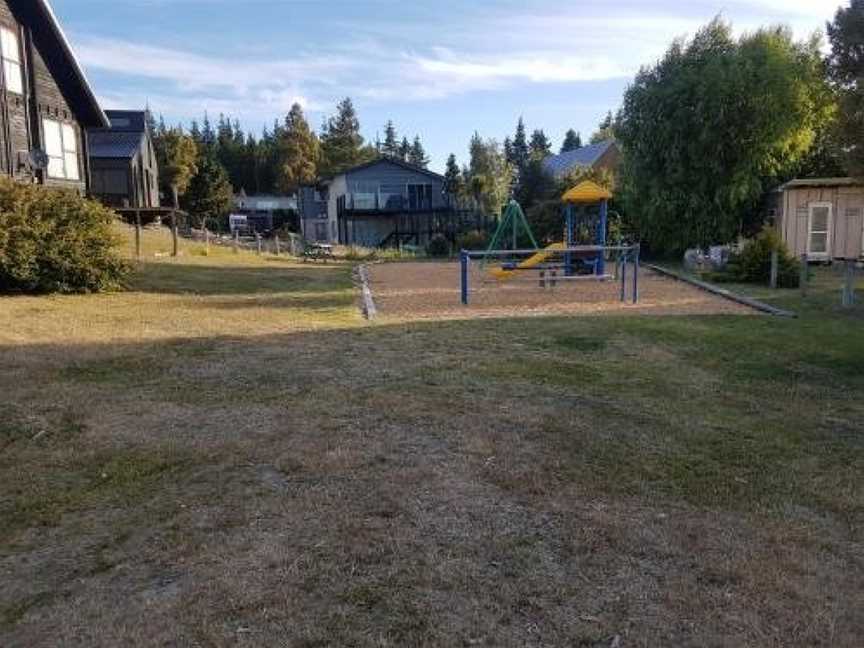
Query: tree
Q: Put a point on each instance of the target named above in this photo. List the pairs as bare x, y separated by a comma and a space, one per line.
605, 131
404, 150
520, 151
417, 156
540, 147
209, 196
490, 175
390, 148
177, 157
846, 70
341, 141
453, 183
299, 152
703, 128
572, 141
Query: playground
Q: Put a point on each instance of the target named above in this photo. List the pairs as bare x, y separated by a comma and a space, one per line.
515, 276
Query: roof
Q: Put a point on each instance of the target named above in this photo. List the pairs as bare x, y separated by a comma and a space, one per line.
587, 156
60, 59
587, 193
822, 182
387, 160
107, 143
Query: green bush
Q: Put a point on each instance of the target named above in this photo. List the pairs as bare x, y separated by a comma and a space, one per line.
54, 241
753, 263
473, 240
439, 246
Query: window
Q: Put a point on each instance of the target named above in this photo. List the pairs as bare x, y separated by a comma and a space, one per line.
120, 122
61, 145
11, 56
819, 239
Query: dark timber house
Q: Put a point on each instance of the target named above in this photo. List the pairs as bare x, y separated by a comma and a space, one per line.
384, 203
123, 163
46, 104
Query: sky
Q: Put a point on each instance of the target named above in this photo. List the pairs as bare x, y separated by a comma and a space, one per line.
440, 69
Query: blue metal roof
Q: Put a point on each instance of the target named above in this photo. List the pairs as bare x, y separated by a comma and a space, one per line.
587, 156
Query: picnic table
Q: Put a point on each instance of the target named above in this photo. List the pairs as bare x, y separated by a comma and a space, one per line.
318, 251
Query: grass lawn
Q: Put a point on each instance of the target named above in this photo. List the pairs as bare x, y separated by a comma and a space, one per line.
227, 454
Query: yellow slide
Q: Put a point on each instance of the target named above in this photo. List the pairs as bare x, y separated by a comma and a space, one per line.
503, 275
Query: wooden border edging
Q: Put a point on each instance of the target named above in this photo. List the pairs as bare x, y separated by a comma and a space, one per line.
369, 310
722, 292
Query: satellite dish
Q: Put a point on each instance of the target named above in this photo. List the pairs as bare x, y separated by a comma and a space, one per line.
39, 159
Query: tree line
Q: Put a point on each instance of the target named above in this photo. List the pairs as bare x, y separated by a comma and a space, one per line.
202, 166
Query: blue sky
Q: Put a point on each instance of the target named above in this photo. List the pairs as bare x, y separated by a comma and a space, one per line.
441, 69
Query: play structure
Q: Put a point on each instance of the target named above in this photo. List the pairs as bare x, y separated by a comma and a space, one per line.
514, 254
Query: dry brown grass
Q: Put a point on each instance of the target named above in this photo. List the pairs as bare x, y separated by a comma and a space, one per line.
190, 464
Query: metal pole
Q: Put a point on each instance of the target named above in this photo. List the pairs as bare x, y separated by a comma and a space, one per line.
775, 268
464, 259
636, 274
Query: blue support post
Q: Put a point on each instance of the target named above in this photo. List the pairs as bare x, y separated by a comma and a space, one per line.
601, 237
636, 273
464, 259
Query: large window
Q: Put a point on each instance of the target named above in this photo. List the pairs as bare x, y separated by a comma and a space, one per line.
61, 145
10, 53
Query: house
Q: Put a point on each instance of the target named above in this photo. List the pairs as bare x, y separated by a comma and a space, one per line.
605, 155
382, 203
47, 103
123, 166
265, 212
822, 218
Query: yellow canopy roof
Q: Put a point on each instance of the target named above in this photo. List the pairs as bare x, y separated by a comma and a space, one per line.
587, 192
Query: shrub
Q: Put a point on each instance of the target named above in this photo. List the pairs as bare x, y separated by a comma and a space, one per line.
473, 240
56, 241
753, 263
439, 246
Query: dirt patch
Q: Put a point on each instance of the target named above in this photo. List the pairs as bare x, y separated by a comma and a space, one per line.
421, 291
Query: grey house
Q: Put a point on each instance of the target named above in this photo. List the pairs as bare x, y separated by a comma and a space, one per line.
379, 204
124, 171
605, 155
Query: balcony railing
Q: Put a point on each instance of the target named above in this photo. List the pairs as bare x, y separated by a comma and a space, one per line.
385, 202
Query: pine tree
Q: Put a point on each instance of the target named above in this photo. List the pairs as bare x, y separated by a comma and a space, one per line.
208, 136
605, 131
195, 132
209, 197
540, 147
404, 150
572, 141
453, 184
341, 141
417, 155
521, 153
299, 152
390, 148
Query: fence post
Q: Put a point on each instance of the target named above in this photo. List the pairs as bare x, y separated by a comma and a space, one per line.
206, 238
805, 275
175, 240
138, 234
623, 264
236, 241
636, 273
849, 285
464, 258
775, 268
258, 242
276, 243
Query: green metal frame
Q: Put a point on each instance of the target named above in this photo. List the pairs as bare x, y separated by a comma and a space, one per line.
512, 221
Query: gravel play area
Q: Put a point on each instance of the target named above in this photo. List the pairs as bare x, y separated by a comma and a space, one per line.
429, 290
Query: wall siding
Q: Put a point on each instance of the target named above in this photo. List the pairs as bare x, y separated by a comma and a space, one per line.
22, 115
847, 222
394, 174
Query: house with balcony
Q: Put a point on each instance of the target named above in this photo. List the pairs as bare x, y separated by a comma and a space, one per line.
384, 203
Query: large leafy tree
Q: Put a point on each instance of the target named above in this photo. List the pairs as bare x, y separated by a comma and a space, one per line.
299, 152
846, 69
605, 131
177, 157
209, 197
490, 175
703, 128
341, 141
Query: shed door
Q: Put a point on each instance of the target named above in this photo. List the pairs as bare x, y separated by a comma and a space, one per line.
819, 230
